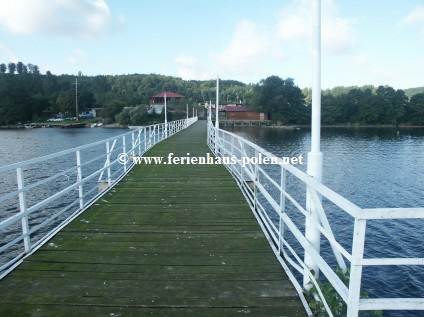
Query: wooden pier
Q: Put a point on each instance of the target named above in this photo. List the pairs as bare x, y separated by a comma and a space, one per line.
168, 240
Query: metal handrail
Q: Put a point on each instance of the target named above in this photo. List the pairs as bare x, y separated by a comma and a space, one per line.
14, 247
231, 145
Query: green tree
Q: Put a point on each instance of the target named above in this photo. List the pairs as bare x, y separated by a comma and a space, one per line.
124, 117
86, 99
11, 67
65, 102
112, 108
414, 112
391, 104
281, 99
3, 68
20, 67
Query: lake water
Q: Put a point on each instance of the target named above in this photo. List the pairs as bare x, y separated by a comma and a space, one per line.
373, 167
24, 144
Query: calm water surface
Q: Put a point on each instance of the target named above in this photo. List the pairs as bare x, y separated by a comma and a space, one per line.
372, 167
24, 144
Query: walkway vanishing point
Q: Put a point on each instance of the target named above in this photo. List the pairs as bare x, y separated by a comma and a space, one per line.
168, 240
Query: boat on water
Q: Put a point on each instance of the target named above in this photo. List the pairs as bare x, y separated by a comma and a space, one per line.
31, 126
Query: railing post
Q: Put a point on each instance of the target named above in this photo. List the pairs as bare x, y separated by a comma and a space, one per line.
282, 208
232, 152
23, 209
149, 139
145, 139
124, 150
133, 144
255, 181
109, 181
79, 180
139, 142
355, 278
313, 235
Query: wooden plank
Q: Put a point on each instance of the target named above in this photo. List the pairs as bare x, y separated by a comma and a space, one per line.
168, 240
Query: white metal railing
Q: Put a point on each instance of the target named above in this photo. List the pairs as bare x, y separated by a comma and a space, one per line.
30, 214
266, 191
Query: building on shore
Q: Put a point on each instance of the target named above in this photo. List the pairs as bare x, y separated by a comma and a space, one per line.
157, 102
242, 113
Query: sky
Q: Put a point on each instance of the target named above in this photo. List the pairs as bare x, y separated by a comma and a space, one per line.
378, 42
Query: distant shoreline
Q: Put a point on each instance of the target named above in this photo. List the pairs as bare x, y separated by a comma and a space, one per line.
47, 125
403, 126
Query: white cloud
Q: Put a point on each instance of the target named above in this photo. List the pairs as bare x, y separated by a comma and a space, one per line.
247, 46
188, 68
249, 42
64, 17
78, 57
186, 60
415, 17
253, 45
360, 60
338, 34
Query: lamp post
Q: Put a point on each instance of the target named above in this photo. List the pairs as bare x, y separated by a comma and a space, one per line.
76, 99
166, 120
187, 115
216, 115
315, 157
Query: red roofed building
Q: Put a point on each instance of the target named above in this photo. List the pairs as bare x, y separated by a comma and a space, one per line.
157, 102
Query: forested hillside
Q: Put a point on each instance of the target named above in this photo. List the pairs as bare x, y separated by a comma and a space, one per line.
28, 95
25, 94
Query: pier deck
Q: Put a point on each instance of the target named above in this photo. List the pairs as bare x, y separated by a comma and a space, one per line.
168, 240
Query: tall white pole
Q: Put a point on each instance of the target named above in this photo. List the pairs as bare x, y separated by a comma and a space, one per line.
76, 98
193, 112
217, 104
216, 115
166, 121
210, 111
187, 115
315, 157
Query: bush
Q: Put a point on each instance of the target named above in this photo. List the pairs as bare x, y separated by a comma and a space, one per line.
335, 302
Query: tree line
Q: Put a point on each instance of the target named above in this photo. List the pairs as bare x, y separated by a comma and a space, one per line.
28, 95
368, 105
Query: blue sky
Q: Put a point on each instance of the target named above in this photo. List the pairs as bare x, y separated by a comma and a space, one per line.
364, 42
